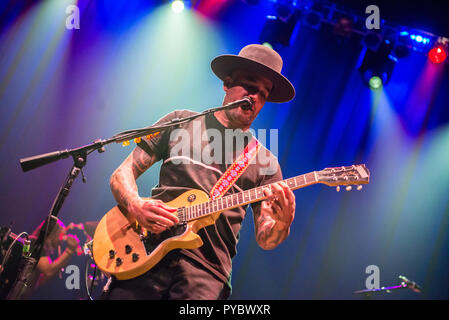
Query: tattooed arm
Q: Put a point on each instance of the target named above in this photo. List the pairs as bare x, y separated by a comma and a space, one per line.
123, 180
151, 214
272, 219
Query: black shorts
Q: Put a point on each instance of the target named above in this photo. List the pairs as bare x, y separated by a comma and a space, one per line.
175, 277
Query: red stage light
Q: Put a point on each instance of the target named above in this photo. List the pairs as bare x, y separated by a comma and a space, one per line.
437, 54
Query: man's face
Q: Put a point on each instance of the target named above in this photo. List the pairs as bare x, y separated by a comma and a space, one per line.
244, 84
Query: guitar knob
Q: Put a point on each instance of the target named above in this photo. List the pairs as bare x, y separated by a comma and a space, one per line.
348, 188
191, 198
135, 257
359, 187
338, 188
111, 254
118, 262
128, 249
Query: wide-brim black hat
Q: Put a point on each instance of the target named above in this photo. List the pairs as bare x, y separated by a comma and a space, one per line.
261, 60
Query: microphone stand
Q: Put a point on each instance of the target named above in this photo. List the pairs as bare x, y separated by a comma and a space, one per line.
23, 282
43, 159
136, 133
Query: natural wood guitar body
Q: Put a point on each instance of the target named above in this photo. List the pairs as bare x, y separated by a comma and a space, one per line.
120, 233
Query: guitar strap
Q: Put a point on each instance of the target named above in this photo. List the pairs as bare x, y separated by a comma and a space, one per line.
235, 170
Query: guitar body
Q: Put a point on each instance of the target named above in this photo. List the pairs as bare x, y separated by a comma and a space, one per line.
125, 250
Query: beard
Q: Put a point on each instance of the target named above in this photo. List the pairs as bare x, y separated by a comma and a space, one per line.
241, 118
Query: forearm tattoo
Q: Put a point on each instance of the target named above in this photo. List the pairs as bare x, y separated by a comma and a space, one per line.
141, 161
123, 180
123, 187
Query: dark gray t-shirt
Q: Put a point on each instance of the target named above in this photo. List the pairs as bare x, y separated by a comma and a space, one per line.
195, 155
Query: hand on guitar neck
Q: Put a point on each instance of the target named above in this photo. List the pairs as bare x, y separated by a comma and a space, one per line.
281, 200
276, 214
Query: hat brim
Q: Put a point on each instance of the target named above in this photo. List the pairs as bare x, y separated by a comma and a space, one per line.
282, 90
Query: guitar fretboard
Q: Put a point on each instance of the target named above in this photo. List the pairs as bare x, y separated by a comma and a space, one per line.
186, 214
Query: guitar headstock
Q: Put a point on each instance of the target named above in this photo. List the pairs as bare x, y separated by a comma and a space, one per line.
351, 175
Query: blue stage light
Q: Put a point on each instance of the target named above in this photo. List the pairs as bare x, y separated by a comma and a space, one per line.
420, 39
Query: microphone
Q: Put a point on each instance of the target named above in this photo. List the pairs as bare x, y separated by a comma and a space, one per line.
410, 284
42, 159
246, 103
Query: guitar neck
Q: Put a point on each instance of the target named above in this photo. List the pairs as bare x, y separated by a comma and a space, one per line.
242, 198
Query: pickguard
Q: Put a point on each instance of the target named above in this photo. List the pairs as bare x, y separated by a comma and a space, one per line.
152, 241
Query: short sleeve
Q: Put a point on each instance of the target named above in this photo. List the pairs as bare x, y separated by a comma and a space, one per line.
157, 143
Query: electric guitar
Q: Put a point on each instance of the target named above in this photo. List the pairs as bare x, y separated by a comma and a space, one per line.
124, 249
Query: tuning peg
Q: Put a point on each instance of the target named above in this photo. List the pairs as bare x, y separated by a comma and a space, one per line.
359, 187
338, 188
348, 188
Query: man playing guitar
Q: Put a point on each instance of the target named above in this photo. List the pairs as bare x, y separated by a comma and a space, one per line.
205, 272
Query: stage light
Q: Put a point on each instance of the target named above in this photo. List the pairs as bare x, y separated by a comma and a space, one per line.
375, 82
420, 42
437, 54
343, 27
376, 67
177, 6
283, 10
267, 44
420, 39
278, 28
372, 40
312, 19
401, 48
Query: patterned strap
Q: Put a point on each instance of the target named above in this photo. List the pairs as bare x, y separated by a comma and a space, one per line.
235, 170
